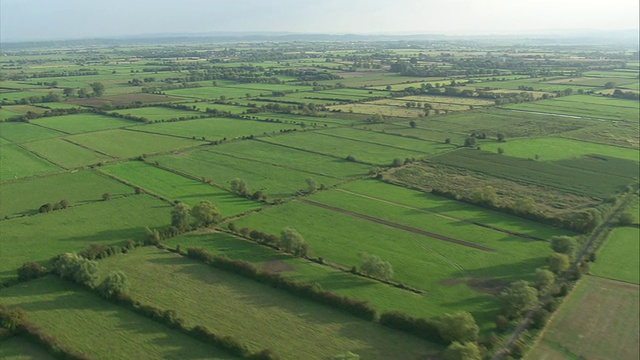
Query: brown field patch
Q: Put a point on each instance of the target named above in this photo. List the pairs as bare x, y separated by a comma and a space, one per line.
276, 266
124, 99
487, 285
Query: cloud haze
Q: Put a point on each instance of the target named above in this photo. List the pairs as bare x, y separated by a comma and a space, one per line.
22, 20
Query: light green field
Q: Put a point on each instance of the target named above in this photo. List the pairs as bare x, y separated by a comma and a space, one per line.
619, 257
157, 113
553, 148
203, 106
586, 106
81, 187
218, 128
38, 238
291, 158
175, 187
88, 324
598, 320
64, 153
257, 314
274, 181
16, 348
18, 163
382, 109
216, 92
80, 123
366, 152
127, 144
419, 132
20, 132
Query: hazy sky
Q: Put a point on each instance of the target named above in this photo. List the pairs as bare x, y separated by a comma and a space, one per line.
69, 19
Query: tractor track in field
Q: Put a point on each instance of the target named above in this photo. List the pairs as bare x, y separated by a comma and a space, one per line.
514, 233
398, 226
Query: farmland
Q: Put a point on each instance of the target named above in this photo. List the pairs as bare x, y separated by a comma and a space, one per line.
367, 190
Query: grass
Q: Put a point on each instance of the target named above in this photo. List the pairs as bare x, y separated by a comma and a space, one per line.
291, 158
17, 348
80, 123
37, 238
274, 181
19, 163
619, 257
622, 134
203, 106
599, 320
550, 174
128, 144
88, 324
20, 132
81, 187
175, 187
554, 148
157, 113
65, 154
585, 106
259, 315
216, 92
218, 128
440, 268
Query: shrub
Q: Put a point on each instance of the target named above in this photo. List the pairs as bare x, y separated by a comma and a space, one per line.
31, 270
114, 284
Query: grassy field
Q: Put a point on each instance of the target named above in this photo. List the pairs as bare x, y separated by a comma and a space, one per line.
175, 187
19, 163
218, 128
585, 106
216, 92
619, 257
39, 237
79, 123
64, 153
257, 314
81, 187
127, 144
363, 151
157, 113
554, 148
552, 174
292, 158
203, 106
623, 134
88, 324
20, 132
16, 348
590, 323
274, 181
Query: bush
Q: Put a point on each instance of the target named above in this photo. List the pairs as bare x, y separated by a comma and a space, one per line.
115, 283
424, 328
31, 270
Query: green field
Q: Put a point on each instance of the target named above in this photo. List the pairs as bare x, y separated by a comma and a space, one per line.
18, 163
16, 348
218, 128
619, 257
203, 106
552, 174
553, 148
258, 315
128, 144
65, 154
88, 324
216, 92
80, 123
20, 132
157, 113
598, 320
175, 187
81, 187
40, 237
586, 106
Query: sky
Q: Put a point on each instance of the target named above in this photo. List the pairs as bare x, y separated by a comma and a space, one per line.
31, 20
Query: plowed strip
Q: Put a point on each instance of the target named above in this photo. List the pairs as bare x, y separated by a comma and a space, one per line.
398, 226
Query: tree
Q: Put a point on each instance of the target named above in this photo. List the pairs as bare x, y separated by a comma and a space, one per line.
544, 281
500, 150
376, 267
205, 214
180, 216
564, 245
459, 326
83, 92
524, 205
609, 85
45, 208
517, 298
459, 351
486, 195
31, 270
558, 263
114, 284
69, 92
71, 265
292, 242
413, 124
500, 137
312, 186
470, 141
98, 88
63, 204
106, 197
397, 162
239, 186
626, 218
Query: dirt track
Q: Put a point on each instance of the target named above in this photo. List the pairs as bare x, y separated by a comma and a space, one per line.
398, 226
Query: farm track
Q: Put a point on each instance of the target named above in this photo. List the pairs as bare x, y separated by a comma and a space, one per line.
397, 226
449, 217
601, 230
